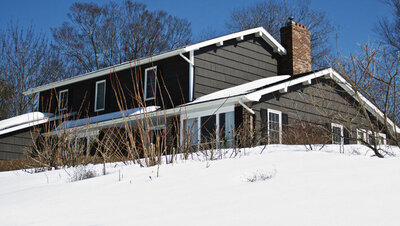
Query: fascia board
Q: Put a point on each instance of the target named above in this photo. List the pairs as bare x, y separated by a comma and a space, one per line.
368, 105
23, 126
264, 34
256, 96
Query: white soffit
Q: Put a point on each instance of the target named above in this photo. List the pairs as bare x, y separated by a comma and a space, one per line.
259, 31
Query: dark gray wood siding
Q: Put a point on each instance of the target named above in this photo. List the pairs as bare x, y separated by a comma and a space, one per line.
13, 145
234, 63
172, 89
320, 103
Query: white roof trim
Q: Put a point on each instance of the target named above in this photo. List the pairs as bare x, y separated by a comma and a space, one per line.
23, 126
115, 68
327, 73
278, 48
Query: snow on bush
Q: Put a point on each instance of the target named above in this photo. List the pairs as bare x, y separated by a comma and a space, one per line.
82, 173
260, 175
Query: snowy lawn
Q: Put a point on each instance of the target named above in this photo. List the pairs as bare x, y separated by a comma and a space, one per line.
291, 186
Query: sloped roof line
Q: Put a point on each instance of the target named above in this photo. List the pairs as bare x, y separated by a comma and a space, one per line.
332, 74
259, 32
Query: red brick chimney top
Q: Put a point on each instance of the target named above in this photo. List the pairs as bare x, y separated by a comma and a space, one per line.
297, 41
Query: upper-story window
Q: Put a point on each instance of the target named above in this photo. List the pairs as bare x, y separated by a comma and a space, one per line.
150, 83
100, 97
63, 100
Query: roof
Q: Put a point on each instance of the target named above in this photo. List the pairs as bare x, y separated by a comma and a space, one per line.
243, 94
107, 117
23, 121
243, 89
259, 32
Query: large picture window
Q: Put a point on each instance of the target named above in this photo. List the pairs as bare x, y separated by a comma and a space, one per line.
206, 128
100, 97
274, 126
63, 100
150, 83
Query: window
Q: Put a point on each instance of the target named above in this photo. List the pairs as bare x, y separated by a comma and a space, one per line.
379, 137
150, 83
226, 129
100, 97
63, 100
337, 133
206, 127
274, 126
361, 136
191, 131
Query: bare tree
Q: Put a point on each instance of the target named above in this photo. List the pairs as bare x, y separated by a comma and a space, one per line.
97, 36
26, 61
5, 98
273, 14
389, 28
374, 74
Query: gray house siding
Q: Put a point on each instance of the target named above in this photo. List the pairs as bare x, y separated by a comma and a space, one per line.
320, 104
13, 145
234, 63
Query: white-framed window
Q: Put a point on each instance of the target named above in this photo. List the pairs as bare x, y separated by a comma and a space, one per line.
210, 125
100, 96
150, 83
63, 100
274, 119
361, 136
337, 133
369, 137
379, 137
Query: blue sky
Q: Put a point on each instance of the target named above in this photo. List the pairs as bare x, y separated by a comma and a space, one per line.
354, 18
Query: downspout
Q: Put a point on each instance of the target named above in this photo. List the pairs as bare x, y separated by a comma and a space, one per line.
191, 72
191, 75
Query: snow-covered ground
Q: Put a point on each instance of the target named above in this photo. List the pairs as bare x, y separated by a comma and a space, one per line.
292, 187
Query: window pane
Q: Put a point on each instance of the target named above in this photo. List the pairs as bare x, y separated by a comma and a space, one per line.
208, 128
229, 127
273, 128
191, 131
63, 100
150, 83
100, 95
336, 135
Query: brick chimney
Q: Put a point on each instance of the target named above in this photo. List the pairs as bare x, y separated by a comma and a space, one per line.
297, 41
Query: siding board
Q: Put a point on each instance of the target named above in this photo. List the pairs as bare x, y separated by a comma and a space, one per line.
234, 63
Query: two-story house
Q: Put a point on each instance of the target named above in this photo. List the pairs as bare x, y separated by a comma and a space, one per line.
244, 88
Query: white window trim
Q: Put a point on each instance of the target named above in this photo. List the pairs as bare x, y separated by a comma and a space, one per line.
198, 115
377, 135
280, 123
341, 132
364, 136
145, 83
59, 100
104, 97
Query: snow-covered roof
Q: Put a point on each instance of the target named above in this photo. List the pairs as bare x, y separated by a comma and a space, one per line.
106, 117
241, 89
259, 32
23, 121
